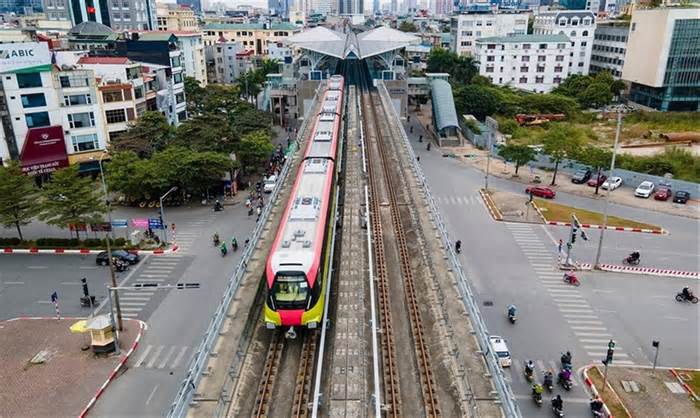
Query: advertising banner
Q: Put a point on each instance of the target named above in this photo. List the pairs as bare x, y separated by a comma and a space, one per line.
119, 223
23, 56
141, 223
44, 151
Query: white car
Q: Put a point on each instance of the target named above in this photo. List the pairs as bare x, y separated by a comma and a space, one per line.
644, 189
269, 184
612, 183
498, 345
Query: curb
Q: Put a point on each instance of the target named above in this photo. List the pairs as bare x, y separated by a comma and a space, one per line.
491, 206
685, 385
612, 228
83, 251
590, 384
539, 211
650, 271
116, 370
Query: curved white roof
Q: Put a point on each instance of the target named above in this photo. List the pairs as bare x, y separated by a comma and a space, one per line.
362, 45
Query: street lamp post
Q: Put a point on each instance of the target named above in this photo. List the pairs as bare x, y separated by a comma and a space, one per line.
596, 264
109, 245
162, 217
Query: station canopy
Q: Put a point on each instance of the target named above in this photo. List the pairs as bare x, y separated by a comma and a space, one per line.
350, 45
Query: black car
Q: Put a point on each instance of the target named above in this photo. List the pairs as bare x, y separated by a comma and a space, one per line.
102, 258
681, 197
581, 176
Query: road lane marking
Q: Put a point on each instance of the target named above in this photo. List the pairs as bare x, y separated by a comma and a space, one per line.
131, 303
138, 279
153, 275
587, 328
131, 309
584, 321
604, 341
37, 267
675, 318
153, 392
563, 291
144, 355
603, 354
88, 267
126, 298
625, 362
593, 334
576, 310
580, 316
11, 283
44, 302
178, 358
70, 283
598, 347
167, 357
155, 356
130, 314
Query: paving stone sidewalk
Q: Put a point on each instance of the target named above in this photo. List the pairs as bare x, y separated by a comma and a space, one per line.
654, 397
64, 384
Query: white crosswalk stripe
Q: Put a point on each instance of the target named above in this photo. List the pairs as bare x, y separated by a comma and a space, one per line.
161, 357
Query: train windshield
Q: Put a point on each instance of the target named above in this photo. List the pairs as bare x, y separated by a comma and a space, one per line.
290, 290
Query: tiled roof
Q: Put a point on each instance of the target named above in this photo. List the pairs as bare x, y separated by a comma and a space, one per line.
525, 38
103, 60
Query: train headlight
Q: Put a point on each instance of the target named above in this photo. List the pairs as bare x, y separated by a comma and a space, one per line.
269, 325
312, 325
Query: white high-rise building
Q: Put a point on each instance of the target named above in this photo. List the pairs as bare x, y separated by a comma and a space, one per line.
467, 28
579, 26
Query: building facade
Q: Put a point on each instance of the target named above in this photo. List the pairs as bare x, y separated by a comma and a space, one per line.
609, 47
56, 9
662, 62
251, 36
467, 28
175, 18
191, 45
536, 63
579, 26
117, 14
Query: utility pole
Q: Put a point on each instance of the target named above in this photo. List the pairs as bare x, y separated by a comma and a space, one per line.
596, 264
608, 361
655, 344
162, 218
493, 128
109, 245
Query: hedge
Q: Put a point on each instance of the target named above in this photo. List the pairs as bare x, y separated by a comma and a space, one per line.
62, 243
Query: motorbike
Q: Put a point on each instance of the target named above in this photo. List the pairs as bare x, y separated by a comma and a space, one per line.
558, 412
216, 240
528, 374
680, 297
120, 266
224, 251
548, 383
512, 317
428, 146
234, 245
218, 207
565, 383
571, 279
537, 397
630, 261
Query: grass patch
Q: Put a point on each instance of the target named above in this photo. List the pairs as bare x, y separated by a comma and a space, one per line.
610, 399
694, 382
562, 213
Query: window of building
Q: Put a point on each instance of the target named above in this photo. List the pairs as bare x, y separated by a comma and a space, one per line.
489, 69
541, 58
126, 16
580, 64
177, 78
540, 68
491, 46
490, 58
525, 58
73, 81
585, 33
115, 116
539, 79
81, 120
77, 99
557, 80
574, 21
33, 100
561, 46
522, 80
558, 69
182, 116
573, 33
112, 96
543, 46
37, 119
180, 97
28, 80
138, 92
463, 43
559, 58
175, 62
524, 69
525, 46
84, 142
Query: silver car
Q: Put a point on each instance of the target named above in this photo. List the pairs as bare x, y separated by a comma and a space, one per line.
644, 189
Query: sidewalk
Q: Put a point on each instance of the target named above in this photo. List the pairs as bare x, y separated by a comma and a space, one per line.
66, 382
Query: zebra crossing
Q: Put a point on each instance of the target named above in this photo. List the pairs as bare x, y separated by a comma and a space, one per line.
586, 325
467, 200
163, 357
157, 270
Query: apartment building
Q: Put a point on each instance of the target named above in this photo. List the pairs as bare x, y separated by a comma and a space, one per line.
536, 63
609, 47
222, 63
662, 62
253, 37
117, 14
467, 28
578, 26
190, 44
176, 18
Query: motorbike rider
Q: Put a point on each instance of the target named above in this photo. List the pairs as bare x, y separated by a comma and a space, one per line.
565, 375
529, 367
223, 248
234, 243
428, 146
634, 257
548, 378
216, 238
566, 359
558, 403
458, 246
217, 206
512, 310
570, 277
687, 293
596, 405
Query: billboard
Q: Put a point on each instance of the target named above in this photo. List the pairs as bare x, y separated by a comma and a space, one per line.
44, 151
23, 56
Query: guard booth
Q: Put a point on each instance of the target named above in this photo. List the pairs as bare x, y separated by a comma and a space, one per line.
101, 334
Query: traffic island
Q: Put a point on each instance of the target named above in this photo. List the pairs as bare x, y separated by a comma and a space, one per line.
641, 391
510, 207
45, 371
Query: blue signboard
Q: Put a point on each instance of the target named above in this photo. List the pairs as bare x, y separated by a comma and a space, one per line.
155, 223
119, 223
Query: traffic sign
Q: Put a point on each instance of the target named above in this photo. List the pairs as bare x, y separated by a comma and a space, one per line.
155, 223
119, 223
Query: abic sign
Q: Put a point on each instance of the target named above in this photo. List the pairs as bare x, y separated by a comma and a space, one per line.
24, 55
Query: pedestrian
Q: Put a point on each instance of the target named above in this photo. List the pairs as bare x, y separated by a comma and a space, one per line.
561, 244
410, 130
420, 138
418, 158
408, 118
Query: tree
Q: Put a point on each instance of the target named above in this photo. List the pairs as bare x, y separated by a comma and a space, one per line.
248, 119
475, 100
561, 141
407, 26
595, 95
71, 199
267, 66
517, 154
207, 132
596, 157
17, 197
461, 69
195, 95
150, 133
254, 149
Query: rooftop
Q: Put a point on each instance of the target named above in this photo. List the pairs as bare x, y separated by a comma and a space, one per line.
525, 38
250, 26
104, 60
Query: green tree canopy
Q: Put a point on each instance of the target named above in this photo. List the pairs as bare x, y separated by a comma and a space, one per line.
591, 91
596, 157
254, 149
17, 197
407, 26
195, 94
561, 141
475, 100
71, 199
207, 132
461, 69
150, 133
517, 154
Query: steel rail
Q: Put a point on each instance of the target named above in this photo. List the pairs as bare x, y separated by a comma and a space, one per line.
302, 386
269, 375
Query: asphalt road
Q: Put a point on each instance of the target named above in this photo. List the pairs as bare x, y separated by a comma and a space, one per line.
516, 263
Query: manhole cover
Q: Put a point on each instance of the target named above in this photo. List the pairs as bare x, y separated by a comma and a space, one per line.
488, 303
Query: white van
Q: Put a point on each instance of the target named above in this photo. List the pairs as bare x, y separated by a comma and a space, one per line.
269, 184
498, 345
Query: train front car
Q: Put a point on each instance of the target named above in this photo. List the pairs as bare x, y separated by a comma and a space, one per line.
297, 266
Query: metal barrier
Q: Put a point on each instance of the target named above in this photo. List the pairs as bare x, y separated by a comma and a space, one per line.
194, 374
507, 397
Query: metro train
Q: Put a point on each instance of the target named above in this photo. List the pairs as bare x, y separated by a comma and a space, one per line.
296, 268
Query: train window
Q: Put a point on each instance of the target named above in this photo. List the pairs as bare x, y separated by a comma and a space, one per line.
290, 290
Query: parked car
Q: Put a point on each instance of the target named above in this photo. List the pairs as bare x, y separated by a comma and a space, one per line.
103, 259
581, 176
596, 181
499, 346
539, 191
612, 183
269, 184
644, 189
681, 196
663, 193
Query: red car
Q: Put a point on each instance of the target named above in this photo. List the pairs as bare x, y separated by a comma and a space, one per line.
538, 191
662, 193
595, 181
